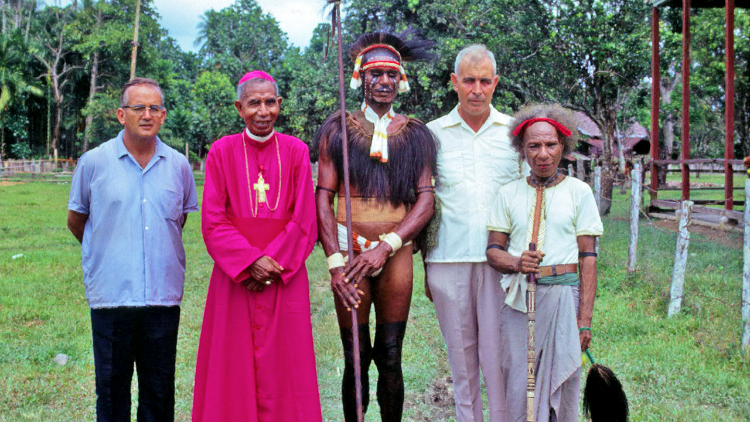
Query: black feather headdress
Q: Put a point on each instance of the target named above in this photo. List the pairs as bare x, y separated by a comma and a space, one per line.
408, 43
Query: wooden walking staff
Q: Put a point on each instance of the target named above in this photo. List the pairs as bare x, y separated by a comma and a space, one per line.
531, 312
336, 25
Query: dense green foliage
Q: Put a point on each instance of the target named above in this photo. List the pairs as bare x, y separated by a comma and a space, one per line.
61, 69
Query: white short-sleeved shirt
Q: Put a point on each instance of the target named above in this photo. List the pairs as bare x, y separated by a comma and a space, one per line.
471, 168
570, 211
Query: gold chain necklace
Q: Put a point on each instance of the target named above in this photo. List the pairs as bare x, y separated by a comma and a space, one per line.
261, 183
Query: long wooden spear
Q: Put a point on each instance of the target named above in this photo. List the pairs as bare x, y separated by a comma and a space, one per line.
531, 312
347, 200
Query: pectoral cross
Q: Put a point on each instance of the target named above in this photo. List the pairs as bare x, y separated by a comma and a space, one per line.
260, 188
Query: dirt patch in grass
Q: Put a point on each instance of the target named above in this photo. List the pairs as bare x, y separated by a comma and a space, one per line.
713, 235
693, 185
34, 323
6, 183
437, 402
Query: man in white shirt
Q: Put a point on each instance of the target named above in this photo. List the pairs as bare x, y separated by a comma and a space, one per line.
474, 161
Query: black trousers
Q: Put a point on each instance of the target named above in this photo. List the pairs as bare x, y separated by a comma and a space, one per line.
144, 336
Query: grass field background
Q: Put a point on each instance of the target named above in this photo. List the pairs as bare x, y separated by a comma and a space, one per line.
687, 368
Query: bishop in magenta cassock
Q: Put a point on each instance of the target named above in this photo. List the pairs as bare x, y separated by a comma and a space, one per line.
255, 358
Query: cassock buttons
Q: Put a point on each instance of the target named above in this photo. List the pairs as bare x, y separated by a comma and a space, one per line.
259, 307
256, 348
257, 327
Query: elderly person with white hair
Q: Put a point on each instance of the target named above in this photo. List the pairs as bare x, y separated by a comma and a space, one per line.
474, 161
562, 213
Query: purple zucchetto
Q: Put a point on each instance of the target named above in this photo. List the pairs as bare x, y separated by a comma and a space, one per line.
256, 74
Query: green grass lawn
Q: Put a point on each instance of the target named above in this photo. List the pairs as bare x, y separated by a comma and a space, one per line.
687, 368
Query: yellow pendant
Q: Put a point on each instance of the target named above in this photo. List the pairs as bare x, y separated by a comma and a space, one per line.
260, 188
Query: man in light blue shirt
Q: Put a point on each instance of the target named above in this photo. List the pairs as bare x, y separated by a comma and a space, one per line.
128, 203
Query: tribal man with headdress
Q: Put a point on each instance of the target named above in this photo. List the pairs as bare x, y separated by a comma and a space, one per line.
392, 160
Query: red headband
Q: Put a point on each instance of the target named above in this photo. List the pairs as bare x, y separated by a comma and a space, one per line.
559, 126
386, 46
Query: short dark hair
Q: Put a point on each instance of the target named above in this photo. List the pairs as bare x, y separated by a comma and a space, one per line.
552, 111
138, 81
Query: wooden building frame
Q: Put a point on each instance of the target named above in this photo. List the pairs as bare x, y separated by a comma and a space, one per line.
685, 160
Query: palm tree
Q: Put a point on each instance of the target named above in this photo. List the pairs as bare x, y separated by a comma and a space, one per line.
12, 78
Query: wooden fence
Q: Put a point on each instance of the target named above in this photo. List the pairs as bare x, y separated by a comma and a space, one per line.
22, 168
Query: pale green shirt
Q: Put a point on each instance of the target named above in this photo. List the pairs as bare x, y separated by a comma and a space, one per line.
471, 169
570, 211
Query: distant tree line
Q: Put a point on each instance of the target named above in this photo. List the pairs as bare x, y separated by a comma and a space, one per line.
61, 68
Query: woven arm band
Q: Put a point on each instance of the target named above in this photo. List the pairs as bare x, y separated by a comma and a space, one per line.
585, 254
495, 246
335, 260
394, 241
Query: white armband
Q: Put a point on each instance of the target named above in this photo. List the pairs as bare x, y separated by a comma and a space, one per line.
394, 240
335, 260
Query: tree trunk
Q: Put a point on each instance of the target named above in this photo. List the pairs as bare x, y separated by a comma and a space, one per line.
28, 21
2, 144
92, 93
667, 87
608, 164
135, 38
58, 120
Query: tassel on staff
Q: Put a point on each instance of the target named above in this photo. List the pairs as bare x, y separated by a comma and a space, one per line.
604, 400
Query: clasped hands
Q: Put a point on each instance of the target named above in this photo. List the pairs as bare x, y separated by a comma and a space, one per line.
345, 282
264, 271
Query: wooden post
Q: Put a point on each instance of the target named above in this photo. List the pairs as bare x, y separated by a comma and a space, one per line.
685, 99
598, 197
203, 166
635, 201
581, 170
570, 170
187, 152
655, 98
746, 272
55, 151
729, 108
680, 258
598, 187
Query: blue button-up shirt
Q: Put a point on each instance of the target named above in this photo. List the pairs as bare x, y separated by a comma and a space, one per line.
132, 242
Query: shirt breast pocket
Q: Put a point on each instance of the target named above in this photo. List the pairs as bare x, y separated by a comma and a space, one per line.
505, 166
450, 168
172, 204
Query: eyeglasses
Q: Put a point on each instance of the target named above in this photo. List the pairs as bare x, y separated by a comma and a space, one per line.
139, 109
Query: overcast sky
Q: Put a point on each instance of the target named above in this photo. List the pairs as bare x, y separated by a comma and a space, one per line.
297, 18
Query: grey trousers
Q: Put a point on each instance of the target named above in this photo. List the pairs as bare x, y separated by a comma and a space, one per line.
468, 298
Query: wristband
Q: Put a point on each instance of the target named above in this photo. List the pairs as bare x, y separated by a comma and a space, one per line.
585, 254
582, 329
394, 241
335, 260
